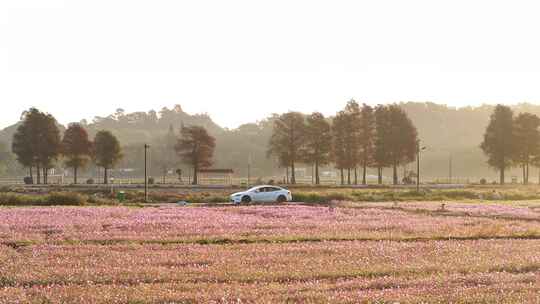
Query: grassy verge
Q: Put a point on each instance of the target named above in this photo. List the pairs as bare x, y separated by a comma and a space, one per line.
53, 199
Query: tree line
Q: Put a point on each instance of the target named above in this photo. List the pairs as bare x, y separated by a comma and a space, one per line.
38, 145
357, 137
512, 141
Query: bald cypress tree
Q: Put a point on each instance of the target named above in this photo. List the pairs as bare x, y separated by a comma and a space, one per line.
527, 141
37, 142
76, 148
107, 152
318, 142
339, 143
498, 143
367, 139
288, 138
196, 148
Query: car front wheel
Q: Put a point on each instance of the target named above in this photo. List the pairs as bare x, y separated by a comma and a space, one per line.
281, 199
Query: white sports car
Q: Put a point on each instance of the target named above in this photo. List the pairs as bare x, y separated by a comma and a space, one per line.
264, 193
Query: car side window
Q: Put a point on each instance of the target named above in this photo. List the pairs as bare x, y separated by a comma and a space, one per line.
272, 189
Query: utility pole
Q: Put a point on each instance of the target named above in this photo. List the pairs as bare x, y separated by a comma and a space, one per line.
248, 170
146, 147
418, 166
450, 169
418, 150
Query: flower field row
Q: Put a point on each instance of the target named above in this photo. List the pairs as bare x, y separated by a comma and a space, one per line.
461, 271
269, 223
412, 252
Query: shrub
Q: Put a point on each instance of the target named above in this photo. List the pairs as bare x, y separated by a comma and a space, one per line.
90, 181
12, 199
65, 198
28, 180
313, 197
483, 181
151, 180
460, 194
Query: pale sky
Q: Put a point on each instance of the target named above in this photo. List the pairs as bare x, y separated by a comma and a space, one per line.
239, 61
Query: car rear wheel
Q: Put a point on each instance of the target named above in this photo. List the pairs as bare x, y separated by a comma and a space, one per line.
246, 199
281, 199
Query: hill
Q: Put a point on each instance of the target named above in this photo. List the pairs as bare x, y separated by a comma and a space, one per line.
450, 134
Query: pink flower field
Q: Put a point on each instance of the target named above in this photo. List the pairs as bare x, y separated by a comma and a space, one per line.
353, 253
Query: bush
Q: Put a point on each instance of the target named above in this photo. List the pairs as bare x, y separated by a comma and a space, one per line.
460, 194
483, 181
12, 199
65, 198
313, 197
151, 180
90, 181
28, 180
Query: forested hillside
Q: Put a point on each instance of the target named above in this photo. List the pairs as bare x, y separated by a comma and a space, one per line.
447, 132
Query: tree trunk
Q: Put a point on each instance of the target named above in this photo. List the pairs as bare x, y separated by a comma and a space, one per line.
75, 175
317, 179
105, 175
195, 175
342, 177
32, 174
364, 165
501, 178
379, 177
527, 174
293, 174
395, 174
523, 173
38, 174
348, 176
45, 181
164, 175
287, 175
355, 176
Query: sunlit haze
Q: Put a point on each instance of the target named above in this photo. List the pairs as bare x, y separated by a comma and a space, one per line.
240, 61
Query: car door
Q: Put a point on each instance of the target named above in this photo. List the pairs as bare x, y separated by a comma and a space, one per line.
271, 194
259, 195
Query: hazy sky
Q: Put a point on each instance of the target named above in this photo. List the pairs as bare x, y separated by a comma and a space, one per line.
239, 61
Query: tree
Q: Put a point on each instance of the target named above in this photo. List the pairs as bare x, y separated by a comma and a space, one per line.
76, 148
381, 156
318, 142
23, 147
339, 142
402, 139
282, 156
37, 142
367, 139
287, 139
352, 141
498, 143
196, 148
49, 144
107, 152
526, 141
